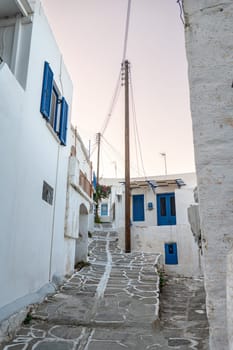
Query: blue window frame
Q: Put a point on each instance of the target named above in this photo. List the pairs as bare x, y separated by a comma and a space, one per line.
171, 257
138, 207
166, 209
53, 108
104, 209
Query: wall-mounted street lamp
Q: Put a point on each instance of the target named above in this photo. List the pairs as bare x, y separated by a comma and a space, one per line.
165, 161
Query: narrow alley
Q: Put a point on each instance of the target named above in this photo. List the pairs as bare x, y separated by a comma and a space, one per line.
114, 303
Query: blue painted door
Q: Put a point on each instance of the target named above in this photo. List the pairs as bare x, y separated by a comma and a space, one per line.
166, 209
138, 207
171, 254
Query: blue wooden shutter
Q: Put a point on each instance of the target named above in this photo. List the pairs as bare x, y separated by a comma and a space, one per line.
46, 91
63, 121
138, 207
171, 257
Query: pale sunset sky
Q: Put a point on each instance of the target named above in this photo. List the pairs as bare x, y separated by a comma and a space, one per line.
90, 35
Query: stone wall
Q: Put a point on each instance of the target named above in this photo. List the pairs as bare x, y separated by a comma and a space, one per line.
209, 45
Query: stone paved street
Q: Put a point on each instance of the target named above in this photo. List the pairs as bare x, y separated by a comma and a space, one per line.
182, 314
113, 304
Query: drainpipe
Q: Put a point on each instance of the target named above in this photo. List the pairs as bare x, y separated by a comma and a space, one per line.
55, 189
54, 213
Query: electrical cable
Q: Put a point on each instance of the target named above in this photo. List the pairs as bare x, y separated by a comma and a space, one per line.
113, 103
93, 148
135, 138
121, 157
102, 163
135, 121
118, 84
114, 149
136, 149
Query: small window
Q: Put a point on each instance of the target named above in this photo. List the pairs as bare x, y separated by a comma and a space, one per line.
172, 206
171, 249
54, 108
163, 211
171, 255
104, 209
166, 209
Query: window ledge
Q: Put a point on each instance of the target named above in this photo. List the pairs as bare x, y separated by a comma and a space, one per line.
53, 132
82, 193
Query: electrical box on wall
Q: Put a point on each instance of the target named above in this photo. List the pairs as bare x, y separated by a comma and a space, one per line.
47, 193
150, 205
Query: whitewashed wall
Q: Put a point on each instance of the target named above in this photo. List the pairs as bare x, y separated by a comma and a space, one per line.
79, 213
32, 231
17, 62
116, 197
147, 236
152, 239
209, 38
229, 292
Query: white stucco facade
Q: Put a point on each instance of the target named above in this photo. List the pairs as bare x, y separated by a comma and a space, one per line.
148, 235
209, 38
79, 203
32, 229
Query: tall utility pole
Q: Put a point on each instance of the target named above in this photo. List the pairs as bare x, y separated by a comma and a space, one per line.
98, 136
127, 162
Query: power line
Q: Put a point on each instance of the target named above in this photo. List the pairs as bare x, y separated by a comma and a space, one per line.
112, 104
135, 122
114, 149
118, 84
120, 156
135, 133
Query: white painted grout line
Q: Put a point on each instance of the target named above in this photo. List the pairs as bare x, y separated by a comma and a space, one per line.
89, 339
108, 268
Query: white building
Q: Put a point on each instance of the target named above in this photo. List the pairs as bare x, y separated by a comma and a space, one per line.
35, 102
79, 208
209, 38
159, 219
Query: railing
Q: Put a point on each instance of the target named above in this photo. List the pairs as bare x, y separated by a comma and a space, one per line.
85, 184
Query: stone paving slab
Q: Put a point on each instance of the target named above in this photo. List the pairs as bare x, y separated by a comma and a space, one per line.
114, 304
183, 314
